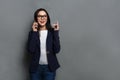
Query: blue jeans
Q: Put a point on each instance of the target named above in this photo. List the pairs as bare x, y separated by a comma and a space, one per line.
43, 73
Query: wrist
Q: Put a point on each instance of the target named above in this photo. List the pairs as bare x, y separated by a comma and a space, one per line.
34, 30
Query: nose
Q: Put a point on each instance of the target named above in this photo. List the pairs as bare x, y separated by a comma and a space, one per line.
42, 17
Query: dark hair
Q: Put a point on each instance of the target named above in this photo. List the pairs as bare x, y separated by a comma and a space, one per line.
48, 24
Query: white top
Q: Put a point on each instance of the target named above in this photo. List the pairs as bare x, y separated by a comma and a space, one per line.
43, 56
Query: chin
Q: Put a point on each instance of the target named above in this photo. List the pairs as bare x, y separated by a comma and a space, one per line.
42, 24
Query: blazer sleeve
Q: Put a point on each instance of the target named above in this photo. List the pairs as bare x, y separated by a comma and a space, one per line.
31, 43
56, 42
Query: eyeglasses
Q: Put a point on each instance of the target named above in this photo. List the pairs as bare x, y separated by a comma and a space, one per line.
41, 16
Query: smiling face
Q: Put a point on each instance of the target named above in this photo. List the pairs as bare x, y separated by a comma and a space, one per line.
42, 18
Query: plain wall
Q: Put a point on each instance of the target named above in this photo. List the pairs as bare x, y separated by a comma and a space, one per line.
89, 35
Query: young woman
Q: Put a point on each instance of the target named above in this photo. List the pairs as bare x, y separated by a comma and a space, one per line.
43, 45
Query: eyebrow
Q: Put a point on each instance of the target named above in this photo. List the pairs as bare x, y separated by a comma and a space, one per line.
41, 15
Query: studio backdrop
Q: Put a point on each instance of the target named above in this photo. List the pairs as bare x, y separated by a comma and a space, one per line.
89, 36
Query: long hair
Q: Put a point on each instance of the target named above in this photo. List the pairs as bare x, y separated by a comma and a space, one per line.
48, 24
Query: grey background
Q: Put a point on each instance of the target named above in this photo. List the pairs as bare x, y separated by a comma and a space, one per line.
89, 34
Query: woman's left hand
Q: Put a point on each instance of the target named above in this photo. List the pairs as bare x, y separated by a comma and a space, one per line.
56, 26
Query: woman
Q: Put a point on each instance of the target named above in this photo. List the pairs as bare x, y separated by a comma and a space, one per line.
43, 45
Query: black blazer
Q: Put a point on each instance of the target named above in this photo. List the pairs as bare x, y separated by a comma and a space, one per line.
52, 48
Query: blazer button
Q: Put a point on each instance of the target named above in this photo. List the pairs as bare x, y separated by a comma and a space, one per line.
47, 52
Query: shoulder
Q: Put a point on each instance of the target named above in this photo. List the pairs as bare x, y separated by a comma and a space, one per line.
51, 31
33, 33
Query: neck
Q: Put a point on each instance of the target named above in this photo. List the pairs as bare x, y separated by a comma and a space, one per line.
43, 28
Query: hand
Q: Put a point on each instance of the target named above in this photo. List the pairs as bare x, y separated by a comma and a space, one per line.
56, 26
35, 26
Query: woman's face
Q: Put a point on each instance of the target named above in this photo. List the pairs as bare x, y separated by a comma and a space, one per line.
42, 18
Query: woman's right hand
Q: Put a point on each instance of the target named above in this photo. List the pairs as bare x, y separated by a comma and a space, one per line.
35, 26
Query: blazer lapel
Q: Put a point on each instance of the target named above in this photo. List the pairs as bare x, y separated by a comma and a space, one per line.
47, 40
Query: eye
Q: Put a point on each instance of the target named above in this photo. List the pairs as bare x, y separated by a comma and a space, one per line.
42, 16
